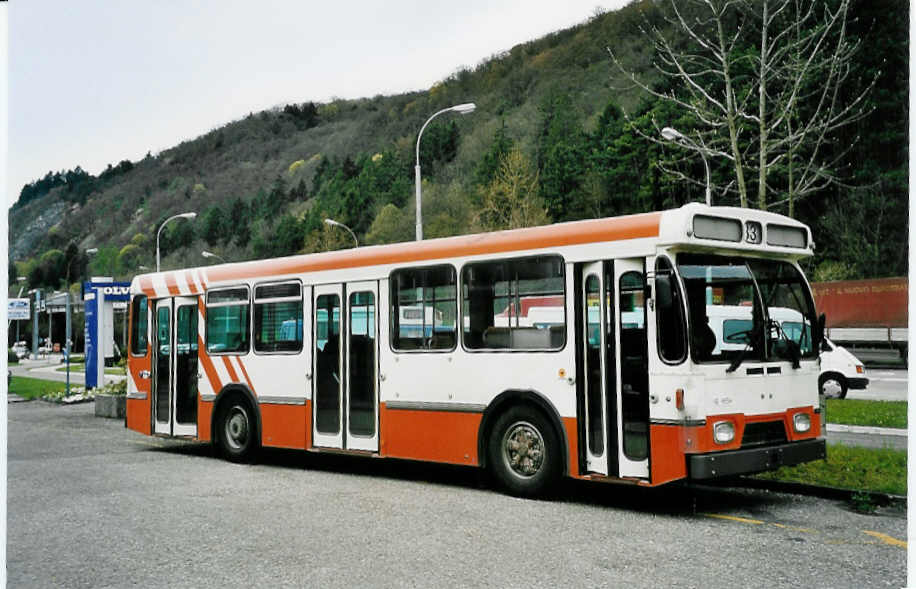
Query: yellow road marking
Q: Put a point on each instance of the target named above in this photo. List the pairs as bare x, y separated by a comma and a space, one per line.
793, 528
886, 539
734, 518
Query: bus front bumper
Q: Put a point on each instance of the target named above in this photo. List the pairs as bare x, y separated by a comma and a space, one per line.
751, 460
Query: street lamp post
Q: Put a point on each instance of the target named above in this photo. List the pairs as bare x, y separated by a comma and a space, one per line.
158, 233
207, 254
676, 136
334, 223
464, 109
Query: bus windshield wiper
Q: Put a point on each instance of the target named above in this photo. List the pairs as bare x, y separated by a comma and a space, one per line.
751, 334
792, 349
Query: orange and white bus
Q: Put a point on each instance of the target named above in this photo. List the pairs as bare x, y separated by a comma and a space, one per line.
580, 349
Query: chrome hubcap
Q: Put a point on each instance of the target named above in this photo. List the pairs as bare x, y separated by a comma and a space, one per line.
523, 449
237, 428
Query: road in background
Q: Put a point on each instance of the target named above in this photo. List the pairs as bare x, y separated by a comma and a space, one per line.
91, 504
883, 385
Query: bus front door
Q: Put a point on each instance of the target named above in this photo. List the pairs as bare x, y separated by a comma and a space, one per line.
175, 366
632, 361
600, 441
345, 352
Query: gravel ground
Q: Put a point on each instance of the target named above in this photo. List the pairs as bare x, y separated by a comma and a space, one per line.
92, 504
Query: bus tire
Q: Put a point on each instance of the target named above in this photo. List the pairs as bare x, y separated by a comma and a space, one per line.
237, 430
832, 385
523, 452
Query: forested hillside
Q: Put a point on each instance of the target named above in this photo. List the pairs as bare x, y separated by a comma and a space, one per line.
558, 134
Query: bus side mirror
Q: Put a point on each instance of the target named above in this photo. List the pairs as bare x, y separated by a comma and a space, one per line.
821, 328
663, 295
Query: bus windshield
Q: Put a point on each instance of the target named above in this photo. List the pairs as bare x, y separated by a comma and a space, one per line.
747, 309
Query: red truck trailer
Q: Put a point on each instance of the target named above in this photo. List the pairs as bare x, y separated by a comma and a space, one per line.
865, 313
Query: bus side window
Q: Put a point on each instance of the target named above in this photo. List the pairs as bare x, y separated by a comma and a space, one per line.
517, 304
227, 321
424, 308
278, 318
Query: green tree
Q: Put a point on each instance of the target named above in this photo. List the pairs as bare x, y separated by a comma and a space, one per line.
489, 163
289, 236
214, 227
391, 225
439, 145
561, 157
128, 258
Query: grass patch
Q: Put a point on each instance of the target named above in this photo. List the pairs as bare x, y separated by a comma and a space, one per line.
881, 470
33, 388
871, 413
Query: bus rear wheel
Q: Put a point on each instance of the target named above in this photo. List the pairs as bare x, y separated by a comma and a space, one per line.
236, 431
523, 452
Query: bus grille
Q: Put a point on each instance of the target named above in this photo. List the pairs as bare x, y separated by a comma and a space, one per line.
766, 432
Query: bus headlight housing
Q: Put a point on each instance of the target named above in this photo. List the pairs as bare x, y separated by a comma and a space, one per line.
723, 432
802, 422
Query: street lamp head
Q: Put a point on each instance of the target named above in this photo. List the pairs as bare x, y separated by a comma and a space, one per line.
20, 279
92, 250
465, 108
332, 222
187, 215
672, 134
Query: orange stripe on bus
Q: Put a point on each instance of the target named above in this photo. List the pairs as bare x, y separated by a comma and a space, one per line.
573, 233
146, 287
572, 437
172, 284
247, 378
233, 376
189, 281
209, 368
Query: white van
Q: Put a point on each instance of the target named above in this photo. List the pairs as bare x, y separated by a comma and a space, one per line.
840, 370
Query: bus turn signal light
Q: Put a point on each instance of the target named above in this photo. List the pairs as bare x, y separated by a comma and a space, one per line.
679, 399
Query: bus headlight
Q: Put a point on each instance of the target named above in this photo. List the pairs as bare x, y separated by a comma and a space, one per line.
723, 432
802, 422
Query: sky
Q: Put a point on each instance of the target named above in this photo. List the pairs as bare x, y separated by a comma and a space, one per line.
95, 82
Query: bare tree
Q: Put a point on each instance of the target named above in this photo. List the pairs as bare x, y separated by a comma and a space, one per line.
763, 80
511, 200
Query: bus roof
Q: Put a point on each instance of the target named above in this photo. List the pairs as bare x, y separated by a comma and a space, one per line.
672, 226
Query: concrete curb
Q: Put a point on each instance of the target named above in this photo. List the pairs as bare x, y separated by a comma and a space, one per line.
866, 430
836, 493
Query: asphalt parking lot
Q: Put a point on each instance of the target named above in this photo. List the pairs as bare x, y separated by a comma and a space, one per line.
91, 504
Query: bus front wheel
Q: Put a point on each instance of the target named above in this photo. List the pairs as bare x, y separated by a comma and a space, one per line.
523, 452
236, 431
833, 385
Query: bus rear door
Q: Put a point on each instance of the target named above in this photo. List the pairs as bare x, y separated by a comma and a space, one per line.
345, 352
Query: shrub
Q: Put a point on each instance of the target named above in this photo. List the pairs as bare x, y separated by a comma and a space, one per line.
118, 387
11, 357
